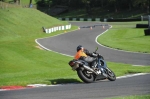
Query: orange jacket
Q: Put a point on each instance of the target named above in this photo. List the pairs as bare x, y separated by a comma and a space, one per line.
79, 54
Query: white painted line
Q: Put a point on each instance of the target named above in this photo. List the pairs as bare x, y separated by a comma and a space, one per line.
52, 50
132, 75
113, 48
36, 85
97, 43
139, 65
45, 85
2, 89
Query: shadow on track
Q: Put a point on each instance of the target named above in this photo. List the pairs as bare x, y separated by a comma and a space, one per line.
64, 81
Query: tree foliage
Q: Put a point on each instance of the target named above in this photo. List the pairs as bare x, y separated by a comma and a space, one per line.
113, 4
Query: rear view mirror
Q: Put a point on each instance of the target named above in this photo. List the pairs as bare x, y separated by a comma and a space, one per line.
96, 49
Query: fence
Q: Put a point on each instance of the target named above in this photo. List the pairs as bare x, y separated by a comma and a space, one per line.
57, 28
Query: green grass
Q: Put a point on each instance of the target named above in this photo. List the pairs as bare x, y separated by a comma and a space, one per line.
132, 97
22, 62
23, 2
124, 36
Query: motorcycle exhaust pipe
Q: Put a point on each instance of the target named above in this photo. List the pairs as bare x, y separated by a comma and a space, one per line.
89, 69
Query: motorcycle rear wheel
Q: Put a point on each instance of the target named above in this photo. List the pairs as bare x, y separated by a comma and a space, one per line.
84, 76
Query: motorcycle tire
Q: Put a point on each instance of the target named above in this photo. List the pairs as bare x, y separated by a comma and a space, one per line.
84, 76
111, 74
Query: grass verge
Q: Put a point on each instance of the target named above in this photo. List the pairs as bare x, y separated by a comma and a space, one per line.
132, 97
124, 36
24, 62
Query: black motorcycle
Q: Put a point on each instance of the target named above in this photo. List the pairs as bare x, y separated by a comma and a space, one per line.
88, 74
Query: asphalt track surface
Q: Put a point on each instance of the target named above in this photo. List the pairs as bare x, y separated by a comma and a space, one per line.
66, 44
138, 85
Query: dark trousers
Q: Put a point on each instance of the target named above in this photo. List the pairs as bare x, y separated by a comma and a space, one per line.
90, 60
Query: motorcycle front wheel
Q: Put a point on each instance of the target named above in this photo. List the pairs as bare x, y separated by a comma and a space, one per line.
85, 76
111, 74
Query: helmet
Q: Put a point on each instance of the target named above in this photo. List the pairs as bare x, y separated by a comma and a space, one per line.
79, 47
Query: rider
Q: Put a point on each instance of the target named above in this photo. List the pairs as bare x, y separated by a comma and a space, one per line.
85, 55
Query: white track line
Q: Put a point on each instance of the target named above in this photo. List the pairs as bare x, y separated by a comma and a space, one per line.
110, 47
132, 75
100, 45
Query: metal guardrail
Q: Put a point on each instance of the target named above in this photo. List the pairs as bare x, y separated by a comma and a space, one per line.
144, 18
79, 19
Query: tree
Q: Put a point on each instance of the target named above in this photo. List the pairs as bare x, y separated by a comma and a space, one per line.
17, 1
114, 3
30, 4
87, 6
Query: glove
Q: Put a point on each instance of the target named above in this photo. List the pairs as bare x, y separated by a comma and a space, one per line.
101, 56
94, 55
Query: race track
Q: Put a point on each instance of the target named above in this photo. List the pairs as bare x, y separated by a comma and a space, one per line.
67, 43
138, 85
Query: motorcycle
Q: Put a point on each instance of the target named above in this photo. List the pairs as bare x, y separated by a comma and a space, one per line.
88, 74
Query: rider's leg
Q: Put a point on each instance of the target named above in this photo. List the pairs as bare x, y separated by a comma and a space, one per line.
90, 60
